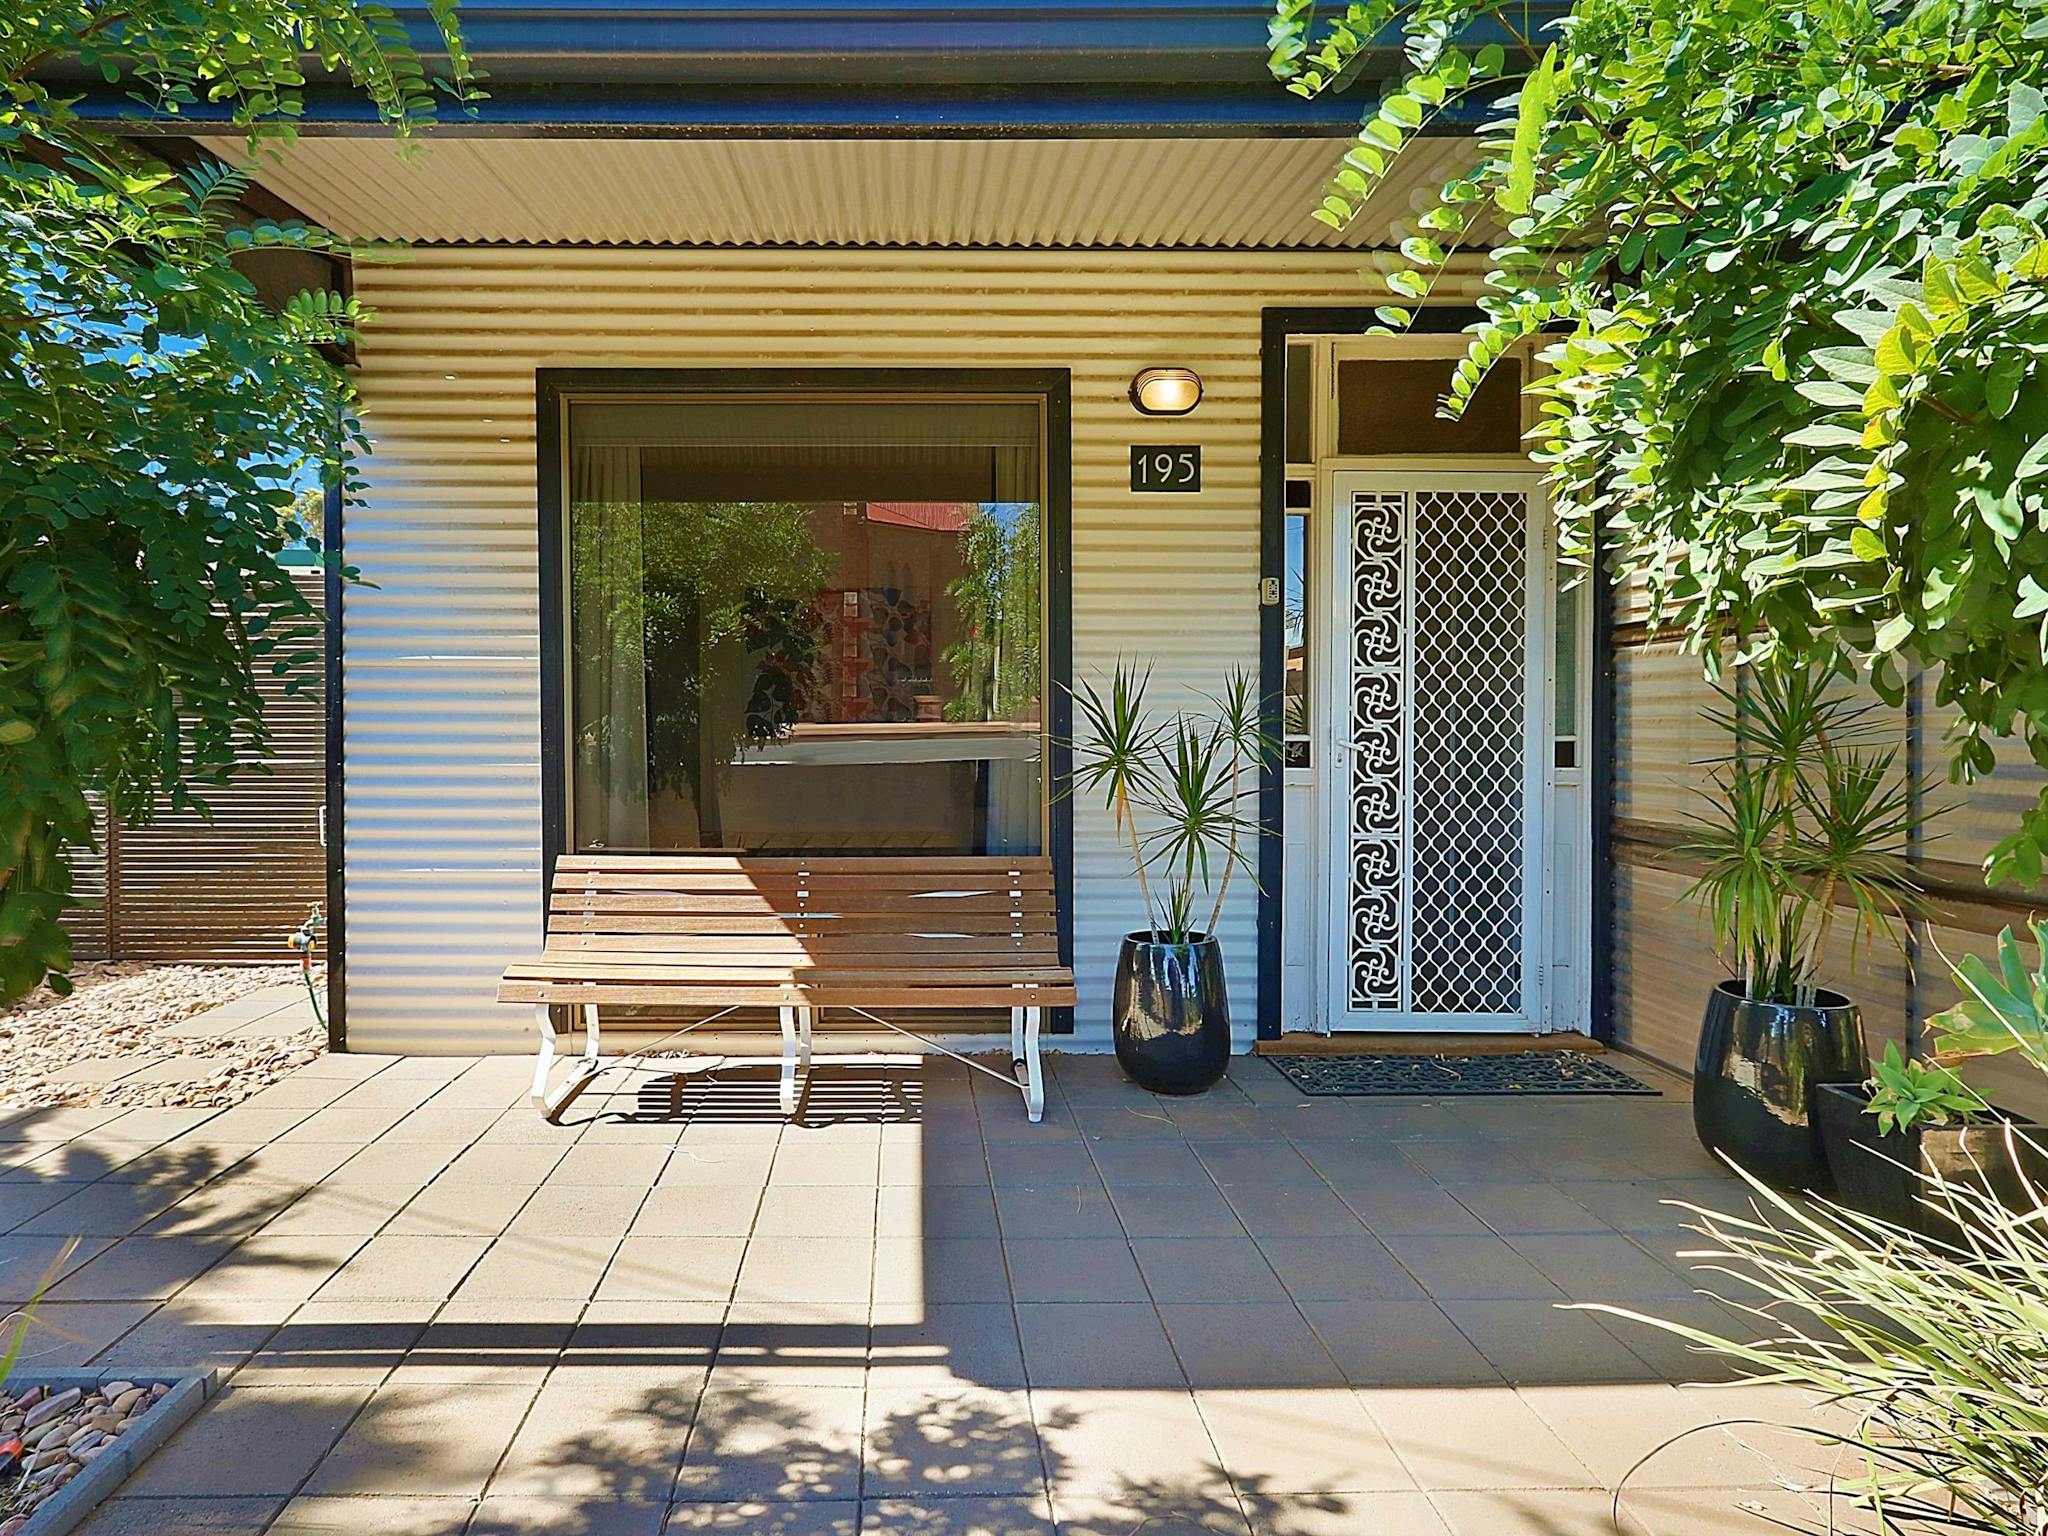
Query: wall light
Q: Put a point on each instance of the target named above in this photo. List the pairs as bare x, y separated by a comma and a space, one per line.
1166, 391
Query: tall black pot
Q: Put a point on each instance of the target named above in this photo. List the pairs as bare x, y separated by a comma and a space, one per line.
1758, 1069
1172, 1014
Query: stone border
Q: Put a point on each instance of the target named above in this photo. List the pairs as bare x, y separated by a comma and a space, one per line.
97, 1481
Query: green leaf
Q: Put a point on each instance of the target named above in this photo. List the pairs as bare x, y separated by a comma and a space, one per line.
1532, 116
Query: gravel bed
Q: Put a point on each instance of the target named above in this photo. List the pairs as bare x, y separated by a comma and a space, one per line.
126, 1008
60, 1434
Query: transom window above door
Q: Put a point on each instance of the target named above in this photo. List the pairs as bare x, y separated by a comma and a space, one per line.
802, 623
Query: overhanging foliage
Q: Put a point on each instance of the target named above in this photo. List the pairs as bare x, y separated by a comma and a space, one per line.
1792, 256
157, 418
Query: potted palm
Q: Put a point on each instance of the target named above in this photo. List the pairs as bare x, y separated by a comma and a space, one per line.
1808, 819
1916, 1118
1176, 789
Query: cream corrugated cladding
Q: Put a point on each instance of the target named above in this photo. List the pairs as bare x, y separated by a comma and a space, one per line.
442, 694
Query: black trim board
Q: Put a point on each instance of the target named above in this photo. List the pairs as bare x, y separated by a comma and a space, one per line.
335, 741
1277, 326
554, 386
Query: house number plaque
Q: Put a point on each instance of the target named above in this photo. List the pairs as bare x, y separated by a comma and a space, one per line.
1166, 467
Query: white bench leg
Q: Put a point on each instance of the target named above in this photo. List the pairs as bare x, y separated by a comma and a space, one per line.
789, 1056
549, 1104
1024, 1023
807, 1019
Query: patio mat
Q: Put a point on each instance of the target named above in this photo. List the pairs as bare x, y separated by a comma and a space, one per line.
1534, 1072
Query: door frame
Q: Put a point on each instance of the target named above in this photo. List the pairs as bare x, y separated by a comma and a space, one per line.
1337, 479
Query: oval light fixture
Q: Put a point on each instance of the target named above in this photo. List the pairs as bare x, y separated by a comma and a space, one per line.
1166, 391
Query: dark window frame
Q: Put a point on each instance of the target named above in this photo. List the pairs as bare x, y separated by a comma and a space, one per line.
554, 387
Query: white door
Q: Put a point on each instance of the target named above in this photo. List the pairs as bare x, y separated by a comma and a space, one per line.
1434, 799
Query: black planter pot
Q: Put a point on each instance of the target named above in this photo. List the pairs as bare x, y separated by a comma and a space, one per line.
1171, 1013
1876, 1173
1754, 1081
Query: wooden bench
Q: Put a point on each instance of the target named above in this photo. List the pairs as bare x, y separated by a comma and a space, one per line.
724, 932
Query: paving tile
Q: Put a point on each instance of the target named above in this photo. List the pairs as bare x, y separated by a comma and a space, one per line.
1010, 1515
1205, 1269
779, 1443
337, 1344
1541, 1341
602, 1432
249, 1441
127, 1515
1183, 1210
1350, 1268
423, 1440
1513, 1209
105, 1069
390, 1165
829, 1269
271, 1268
1472, 1162
1342, 1514
1398, 1343
339, 1210
673, 1269
319, 1515
667, 1333
594, 1162
518, 1515
392, 1268
443, 1209
817, 1517
1254, 1344
941, 1269
718, 1162
697, 1210
828, 1162
101, 1210
822, 1344
1073, 1270
815, 1210
540, 1265
299, 1162
1672, 1358
1110, 1444
1014, 1165
1392, 1207
134, 1268
1096, 1345
970, 1342
1473, 1438
503, 1341
1318, 1441
517, 1163
936, 1211
1652, 1435
20, 1202
577, 1210
1122, 1164
1058, 1210
1291, 1210
950, 1441
181, 1336
1470, 1268
339, 1122
226, 1208
1256, 1163
68, 1333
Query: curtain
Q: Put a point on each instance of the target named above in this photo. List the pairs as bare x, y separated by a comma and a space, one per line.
608, 646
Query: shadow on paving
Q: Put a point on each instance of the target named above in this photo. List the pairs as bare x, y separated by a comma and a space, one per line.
908, 1310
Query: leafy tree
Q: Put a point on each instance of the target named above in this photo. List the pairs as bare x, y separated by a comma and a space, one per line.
1789, 265
157, 417
995, 664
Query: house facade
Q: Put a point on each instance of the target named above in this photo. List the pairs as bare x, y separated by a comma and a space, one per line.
762, 453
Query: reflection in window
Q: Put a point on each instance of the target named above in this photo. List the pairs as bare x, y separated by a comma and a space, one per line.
804, 625
1295, 725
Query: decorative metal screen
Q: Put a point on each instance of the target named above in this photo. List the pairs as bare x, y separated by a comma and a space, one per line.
1438, 720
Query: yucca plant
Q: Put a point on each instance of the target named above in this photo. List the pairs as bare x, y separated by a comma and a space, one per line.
1806, 812
1178, 790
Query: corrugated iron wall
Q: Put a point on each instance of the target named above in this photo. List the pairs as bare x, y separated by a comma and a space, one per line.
1663, 959
229, 888
442, 699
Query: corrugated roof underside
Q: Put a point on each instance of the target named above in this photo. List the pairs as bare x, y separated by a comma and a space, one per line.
1140, 193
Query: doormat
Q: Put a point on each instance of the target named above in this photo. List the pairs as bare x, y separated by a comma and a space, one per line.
1532, 1072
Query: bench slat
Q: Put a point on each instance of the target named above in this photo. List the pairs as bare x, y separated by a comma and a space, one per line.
837, 995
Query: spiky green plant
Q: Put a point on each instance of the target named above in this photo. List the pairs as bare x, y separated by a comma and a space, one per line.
1804, 813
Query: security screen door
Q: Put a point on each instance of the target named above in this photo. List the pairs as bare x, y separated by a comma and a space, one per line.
1435, 801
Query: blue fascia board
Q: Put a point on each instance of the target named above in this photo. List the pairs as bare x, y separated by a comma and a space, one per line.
630, 111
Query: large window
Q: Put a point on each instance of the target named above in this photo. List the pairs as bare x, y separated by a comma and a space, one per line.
805, 624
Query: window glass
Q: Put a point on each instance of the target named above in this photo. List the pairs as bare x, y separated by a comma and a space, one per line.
1389, 406
1295, 724
802, 625
1565, 722
1300, 432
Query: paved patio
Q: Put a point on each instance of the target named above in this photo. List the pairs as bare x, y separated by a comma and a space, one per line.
914, 1312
